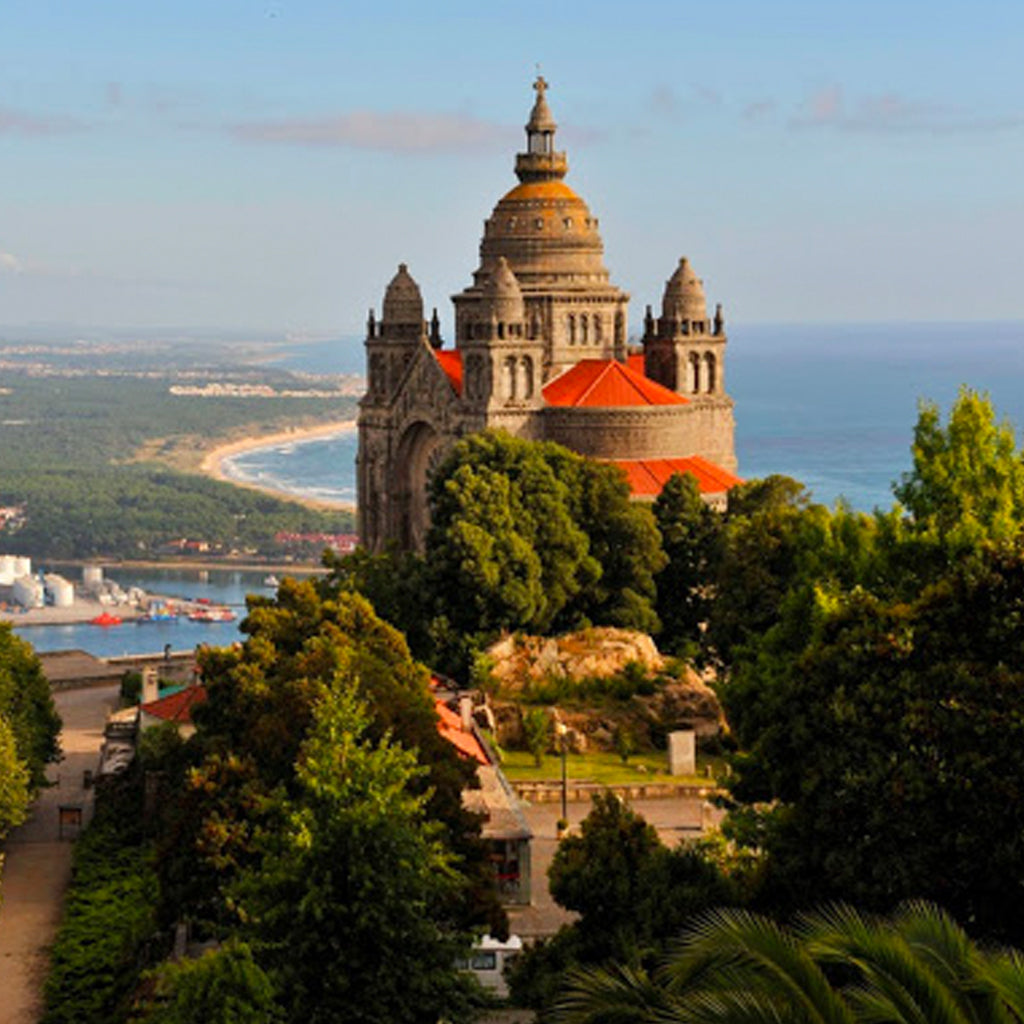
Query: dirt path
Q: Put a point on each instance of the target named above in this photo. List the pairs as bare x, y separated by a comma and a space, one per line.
38, 861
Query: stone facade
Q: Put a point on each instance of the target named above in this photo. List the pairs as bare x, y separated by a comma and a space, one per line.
536, 336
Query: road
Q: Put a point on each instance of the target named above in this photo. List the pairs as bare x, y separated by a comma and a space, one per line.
38, 860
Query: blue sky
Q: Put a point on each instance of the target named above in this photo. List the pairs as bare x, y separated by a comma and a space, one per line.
266, 165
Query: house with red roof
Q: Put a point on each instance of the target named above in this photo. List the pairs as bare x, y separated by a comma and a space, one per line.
541, 349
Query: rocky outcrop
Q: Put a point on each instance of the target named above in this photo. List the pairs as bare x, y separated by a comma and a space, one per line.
680, 701
589, 654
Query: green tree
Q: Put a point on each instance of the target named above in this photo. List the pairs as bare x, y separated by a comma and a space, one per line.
14, 782
348, 903
770, 533
223, 986
537, 732
27, 706
967, 481
504, 551
303, 644
690, 532
834, 967
532, 536
881, 757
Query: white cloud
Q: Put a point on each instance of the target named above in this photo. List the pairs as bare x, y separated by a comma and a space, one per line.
15, 122
10, 264
396, 132
891, 113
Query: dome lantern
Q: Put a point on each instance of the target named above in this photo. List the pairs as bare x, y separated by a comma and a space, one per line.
540, 162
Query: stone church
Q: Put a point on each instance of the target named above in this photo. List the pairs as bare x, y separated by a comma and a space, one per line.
541, 351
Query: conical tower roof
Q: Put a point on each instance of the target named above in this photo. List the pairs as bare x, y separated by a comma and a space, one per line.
684, 295
502, 296
403, 303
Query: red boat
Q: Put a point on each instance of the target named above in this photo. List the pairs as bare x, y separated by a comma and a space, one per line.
212, 615
105, 619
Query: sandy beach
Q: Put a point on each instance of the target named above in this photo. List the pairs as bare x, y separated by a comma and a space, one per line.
213, 462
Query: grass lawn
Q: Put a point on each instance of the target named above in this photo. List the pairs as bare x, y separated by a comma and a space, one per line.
600, 766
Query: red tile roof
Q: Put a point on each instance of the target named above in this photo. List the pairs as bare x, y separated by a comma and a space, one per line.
450, 360
607, 383
449, 725
635, 361
178, 706
648, 476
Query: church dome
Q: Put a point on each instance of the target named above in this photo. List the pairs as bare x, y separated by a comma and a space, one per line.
542, 227
403, 303
502, 297
684, 295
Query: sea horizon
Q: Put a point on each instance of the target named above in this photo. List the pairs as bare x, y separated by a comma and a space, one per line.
831, 405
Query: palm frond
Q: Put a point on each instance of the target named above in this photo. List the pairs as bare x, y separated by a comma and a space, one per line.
1002, 974
740, 951
612, 995
891, 971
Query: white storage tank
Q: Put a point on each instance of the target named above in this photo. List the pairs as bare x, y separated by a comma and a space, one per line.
22, 566
92, 577
28, 592
60, 591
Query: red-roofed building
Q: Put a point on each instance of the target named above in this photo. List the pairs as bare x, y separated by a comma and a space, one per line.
607, 383
648, 476
464, 740
176, 707
540, 350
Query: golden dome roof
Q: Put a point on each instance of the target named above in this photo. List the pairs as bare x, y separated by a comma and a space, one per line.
541, 227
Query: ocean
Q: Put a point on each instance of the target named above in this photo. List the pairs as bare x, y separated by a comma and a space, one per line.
832, 405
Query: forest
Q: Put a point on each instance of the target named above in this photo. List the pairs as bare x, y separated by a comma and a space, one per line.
69, 457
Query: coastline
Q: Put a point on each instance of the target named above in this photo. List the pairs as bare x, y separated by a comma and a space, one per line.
213, 461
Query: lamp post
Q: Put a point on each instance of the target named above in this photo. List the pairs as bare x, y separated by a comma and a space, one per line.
562, 732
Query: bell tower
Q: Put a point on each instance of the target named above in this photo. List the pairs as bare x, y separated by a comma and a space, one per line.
683, 349
392, 341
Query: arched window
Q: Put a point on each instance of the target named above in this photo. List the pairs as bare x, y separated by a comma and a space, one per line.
584, 325
527, 366
710, 365
501, 328
572, 329
598, 330
510, 378
694, 373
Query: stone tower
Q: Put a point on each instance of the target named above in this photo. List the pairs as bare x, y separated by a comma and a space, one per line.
540, 351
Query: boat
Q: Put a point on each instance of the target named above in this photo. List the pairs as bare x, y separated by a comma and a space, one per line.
105, 619
211, 614
159, 615
271, 581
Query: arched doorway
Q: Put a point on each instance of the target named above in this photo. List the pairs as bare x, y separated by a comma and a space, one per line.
418, 452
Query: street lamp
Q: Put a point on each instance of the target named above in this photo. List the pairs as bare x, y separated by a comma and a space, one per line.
562, 731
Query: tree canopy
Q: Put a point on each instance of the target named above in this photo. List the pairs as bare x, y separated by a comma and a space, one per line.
874, 687
348, 902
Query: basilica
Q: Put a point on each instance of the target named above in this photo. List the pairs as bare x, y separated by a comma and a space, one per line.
541, 350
